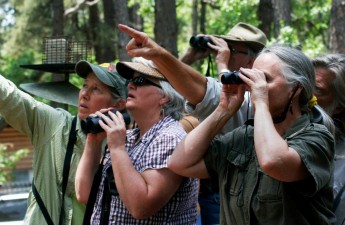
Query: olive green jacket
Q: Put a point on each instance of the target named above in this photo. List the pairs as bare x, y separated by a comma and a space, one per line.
249, 196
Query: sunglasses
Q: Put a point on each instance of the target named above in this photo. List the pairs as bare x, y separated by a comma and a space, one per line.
141, 81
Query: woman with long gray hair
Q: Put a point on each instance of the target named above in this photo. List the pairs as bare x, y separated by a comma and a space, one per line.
276, 168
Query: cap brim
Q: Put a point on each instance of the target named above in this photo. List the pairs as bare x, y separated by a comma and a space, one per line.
60, 91
126, 70
256, 46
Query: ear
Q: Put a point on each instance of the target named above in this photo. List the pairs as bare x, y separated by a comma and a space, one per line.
120, 104
296, 90
163, 101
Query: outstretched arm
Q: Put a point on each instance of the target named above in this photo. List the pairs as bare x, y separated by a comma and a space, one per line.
185, 79
187, 159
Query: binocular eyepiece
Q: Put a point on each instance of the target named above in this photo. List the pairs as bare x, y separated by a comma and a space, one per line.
199, 42
91, 125
231, 78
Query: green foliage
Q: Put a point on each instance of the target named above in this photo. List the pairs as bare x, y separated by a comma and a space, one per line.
8, 161
10, 66
310, 22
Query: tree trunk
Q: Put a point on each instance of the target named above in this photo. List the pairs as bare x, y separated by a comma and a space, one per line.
58, 25
265, 16
94, 24
165, 25
195, 16
337, 26
203, 18
282, 14
122, 16
108, 43
135, 19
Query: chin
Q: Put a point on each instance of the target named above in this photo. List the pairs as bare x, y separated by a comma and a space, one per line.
82, 115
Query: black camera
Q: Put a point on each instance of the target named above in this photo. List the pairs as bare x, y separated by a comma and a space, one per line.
199, 42
231, 78
91, 125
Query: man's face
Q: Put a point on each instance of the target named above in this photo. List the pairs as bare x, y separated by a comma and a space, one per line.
323, 90
239, 58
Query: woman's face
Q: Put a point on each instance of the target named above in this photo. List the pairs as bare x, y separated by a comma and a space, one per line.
143, 97
93, 96
279, 90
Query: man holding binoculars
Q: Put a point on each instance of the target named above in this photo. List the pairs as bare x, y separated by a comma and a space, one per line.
243, 42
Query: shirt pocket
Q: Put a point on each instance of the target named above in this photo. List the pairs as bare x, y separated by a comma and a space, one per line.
269, 189
234, 180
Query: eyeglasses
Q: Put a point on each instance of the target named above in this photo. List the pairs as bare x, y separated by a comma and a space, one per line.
234, 50
141, 81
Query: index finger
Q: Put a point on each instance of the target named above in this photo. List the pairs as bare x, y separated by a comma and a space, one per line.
137, 35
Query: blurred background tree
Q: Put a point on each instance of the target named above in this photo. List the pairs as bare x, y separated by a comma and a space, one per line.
314, 26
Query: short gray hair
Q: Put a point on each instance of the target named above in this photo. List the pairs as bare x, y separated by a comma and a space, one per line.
175, 107
335, 63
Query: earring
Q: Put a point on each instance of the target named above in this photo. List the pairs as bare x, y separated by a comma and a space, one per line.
162, 112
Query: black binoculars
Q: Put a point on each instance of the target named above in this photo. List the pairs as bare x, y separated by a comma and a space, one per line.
199, 42
231, 78
91, 125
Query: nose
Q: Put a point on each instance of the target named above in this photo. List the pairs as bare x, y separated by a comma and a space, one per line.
131, 85
84, 93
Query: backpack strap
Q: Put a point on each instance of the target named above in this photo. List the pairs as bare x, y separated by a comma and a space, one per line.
66, 167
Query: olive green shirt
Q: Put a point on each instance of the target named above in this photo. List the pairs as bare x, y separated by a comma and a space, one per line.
249, 196
48, 129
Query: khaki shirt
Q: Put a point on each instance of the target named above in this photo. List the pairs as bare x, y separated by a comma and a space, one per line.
249, 196
48, 129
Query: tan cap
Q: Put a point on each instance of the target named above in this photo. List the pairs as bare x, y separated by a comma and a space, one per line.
127, 69
243, 32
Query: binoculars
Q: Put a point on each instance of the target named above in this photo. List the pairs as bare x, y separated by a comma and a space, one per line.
199, 42
231, 78
91, 125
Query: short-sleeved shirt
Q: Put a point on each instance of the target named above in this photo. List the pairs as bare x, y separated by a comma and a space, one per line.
210, 102
249, 196
204, 108
152, 152
48, 129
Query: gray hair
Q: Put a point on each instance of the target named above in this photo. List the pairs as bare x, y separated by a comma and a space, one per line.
335, 63
298, 69
175, 107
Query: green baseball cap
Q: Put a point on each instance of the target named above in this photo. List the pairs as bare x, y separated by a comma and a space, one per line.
106, 73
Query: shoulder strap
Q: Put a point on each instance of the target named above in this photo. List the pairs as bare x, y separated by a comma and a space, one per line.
71, 141
67, 163
41, 204
93, 193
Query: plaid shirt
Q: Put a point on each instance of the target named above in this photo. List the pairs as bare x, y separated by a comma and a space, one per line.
152, 152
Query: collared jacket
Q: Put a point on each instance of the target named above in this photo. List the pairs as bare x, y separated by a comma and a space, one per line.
249, 196
48, 129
